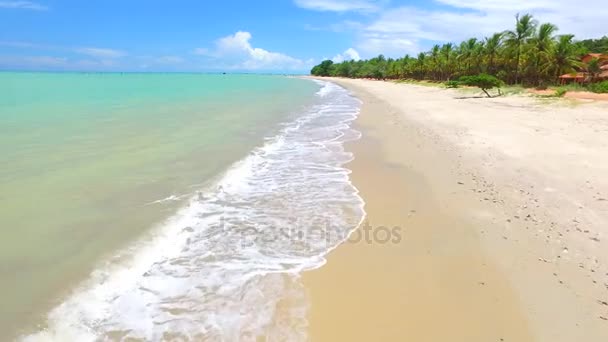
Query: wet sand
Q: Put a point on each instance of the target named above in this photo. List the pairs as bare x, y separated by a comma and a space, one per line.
479, 252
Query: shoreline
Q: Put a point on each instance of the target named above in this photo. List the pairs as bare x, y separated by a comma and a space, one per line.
471, 265
174, 249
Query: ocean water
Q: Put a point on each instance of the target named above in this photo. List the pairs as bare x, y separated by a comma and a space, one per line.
168, 206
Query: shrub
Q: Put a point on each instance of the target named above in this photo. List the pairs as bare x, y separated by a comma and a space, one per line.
574, 87
323, 69
483, 81
452, 84
600, 87
560, 92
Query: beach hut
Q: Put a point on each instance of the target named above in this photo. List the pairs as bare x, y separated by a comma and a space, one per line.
576, 77
588, 57
583, 76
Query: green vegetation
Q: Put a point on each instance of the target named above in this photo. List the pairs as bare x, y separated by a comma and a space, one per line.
572, 87
593, 68
601, 87
595, 45
326, 68
531, 54
560, 92
482, 81
452, 84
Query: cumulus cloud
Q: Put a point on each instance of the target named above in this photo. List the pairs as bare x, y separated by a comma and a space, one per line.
101, 53
390, 34
348, 55
406, 27
396, 31
27, 5
501, 5
341, 5
373, 44
237, 51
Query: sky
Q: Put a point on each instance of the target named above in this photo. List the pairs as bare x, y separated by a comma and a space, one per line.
256, 36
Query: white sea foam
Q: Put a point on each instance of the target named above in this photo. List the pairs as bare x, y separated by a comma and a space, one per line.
326, 88
171, 198
226, 267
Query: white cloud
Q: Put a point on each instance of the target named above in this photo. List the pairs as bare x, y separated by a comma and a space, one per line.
500, 5
101, 53
237, 51
403, 30
28, 5
373, 44
410, 29
341, 5
348, 55
441, 26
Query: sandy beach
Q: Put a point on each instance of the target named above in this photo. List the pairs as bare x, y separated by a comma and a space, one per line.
497, 212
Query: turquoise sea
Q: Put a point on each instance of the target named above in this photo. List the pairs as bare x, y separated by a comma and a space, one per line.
166, 206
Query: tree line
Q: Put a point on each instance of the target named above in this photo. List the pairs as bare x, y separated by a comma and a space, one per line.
530, 54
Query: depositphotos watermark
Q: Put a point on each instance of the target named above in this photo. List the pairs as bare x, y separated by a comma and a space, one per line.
375, 234
309, 232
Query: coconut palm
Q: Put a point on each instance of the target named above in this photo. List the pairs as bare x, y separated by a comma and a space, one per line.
529, 54
478, 56
594, 68
565, 56
420, 65
466, 55
542, 43
435, 60
492, 47
525, 26
446, 55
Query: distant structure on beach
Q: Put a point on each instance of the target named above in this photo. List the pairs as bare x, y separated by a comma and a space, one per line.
594, 68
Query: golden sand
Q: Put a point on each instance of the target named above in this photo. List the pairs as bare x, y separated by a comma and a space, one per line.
435, 284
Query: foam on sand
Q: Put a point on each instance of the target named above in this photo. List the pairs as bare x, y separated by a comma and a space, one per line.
226, 267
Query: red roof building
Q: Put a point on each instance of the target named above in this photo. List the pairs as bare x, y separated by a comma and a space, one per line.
588, 57
583, 76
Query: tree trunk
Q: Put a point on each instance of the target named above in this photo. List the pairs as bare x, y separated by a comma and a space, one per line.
485, 91
517, 63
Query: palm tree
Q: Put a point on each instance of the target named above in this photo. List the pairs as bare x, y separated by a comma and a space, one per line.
492, 47
543, 43
467, 50
594, 68
435, 60
528, 54
420, 65
524, 29
478, 56
446, 53
403, 65
564, 55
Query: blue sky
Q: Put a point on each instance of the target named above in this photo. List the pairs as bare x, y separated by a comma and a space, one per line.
247, 35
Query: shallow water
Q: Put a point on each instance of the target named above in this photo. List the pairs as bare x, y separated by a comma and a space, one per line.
195, 200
